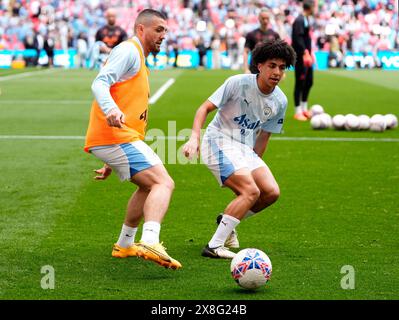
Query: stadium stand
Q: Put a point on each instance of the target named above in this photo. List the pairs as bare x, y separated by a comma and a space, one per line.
339, 26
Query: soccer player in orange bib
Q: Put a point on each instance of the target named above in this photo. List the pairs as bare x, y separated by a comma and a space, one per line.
116, 132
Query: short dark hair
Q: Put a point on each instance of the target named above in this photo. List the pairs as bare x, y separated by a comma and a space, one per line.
148, 13
308, 5
272, 49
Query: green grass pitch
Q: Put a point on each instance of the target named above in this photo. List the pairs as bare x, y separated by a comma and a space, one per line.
338, 205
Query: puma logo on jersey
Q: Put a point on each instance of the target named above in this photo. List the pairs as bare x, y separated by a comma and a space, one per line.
246, 101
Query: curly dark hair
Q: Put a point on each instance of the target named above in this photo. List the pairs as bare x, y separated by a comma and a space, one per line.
274, 49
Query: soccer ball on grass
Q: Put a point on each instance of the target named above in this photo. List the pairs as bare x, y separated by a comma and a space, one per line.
251, 268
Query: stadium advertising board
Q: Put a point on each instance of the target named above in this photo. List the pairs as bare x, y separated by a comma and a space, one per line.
387, 60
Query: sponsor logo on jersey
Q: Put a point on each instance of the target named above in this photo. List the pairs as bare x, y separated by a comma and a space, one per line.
246, 123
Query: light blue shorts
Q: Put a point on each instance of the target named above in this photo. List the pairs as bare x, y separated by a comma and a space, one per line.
224, 157
127, 159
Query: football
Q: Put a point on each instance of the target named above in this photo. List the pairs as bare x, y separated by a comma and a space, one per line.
321, 121
351, 122
327, 120
316, 109
338, 121
316, 122
391, 121
364, 122
251, 268
377, 123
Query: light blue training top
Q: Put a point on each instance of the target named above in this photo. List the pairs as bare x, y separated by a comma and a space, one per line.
243, 110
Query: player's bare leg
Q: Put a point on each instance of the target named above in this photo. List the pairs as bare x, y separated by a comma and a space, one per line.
134, 212
126, 246
244, 186
269, 193
268, 187
160, 187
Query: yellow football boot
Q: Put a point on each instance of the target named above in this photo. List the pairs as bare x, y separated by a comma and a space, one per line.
120, 252
157, 253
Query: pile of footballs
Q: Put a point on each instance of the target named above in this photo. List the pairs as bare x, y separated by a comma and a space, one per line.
350, 122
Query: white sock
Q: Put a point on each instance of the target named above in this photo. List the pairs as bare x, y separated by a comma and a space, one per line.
298, 109
151, 231
304, 105
226, 225
249, 214
126, 238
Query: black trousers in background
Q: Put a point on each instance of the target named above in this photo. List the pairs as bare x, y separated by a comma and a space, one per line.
303, 83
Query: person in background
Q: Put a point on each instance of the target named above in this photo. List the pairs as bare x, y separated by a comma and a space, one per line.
216, 56
261, 34
81, 46
176, 52
201, 51
31, 42
111, 35
48, 47
302, 44
107, 38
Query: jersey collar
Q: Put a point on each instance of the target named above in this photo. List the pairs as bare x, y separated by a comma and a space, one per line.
255, 76
138, 41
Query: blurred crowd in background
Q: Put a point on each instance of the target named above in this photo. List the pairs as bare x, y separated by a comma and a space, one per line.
337, 26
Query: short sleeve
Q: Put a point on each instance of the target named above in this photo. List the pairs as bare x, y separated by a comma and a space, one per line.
224, 93
249, 41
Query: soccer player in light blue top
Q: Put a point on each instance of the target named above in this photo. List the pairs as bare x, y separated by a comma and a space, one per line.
250, 107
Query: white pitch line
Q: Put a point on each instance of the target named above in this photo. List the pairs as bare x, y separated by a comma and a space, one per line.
26, 74
161, 91
184, 138
152, 100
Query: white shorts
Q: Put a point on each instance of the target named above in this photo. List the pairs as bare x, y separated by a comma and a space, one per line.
127, 159
224, 156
